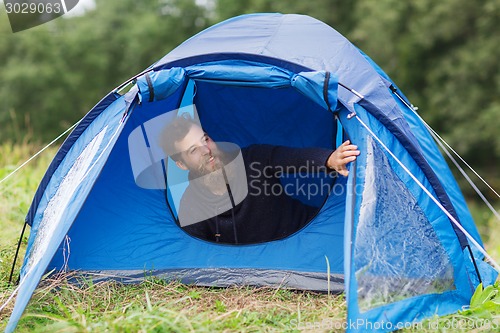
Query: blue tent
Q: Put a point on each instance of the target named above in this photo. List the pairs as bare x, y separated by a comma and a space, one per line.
387, 234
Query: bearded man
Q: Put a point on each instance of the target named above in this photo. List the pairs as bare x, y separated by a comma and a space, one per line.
228, 198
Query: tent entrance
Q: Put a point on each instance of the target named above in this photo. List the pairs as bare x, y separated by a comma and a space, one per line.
258, 120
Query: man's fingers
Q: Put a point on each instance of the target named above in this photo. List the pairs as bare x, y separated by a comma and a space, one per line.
350, 153
347, 147
350, 147
344, 154
345, 143
349, 159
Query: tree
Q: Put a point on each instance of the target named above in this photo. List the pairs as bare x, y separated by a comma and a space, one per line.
53, 74
444, 55
336, 13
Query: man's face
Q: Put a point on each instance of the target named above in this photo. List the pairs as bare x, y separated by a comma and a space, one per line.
198, 152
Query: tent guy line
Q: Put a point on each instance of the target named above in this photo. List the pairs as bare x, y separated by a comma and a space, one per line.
442, 144
90, 168
446, 148
38, 153
436, 201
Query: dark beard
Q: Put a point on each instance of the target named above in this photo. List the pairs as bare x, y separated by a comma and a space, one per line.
214, 180
204, 171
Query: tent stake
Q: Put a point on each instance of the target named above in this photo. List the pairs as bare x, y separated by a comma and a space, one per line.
17, 253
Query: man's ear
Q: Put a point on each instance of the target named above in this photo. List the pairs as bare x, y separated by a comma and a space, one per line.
181, 165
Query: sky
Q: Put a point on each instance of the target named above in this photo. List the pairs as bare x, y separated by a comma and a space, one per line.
81, 7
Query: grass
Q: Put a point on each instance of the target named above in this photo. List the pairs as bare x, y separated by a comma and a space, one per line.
17, 191
158, 306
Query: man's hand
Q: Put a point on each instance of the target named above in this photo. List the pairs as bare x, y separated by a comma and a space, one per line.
344, 154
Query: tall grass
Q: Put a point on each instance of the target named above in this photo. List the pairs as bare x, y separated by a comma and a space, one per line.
158, 306
17, 191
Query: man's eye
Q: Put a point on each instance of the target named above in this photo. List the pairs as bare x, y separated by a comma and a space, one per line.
192, 151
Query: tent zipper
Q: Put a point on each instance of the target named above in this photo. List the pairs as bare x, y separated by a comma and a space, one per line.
232, 205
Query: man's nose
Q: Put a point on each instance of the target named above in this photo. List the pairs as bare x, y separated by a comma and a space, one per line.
205, 150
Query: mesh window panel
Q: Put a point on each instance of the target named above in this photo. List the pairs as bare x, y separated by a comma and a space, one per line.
397, 252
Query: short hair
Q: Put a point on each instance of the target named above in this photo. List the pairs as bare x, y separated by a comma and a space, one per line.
175, 131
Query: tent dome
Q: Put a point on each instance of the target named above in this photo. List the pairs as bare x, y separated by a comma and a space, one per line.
387, 234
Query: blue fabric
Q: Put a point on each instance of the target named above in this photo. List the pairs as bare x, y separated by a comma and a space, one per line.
242, 74
445, 176
160, 243
255, 79
165, 83
63, 150
105, 127
421, 305
312, 85
153, 227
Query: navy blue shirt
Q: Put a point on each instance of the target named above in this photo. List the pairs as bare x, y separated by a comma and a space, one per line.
264, 214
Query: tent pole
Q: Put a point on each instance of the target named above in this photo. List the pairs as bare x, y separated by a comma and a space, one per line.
17, 252
474, 262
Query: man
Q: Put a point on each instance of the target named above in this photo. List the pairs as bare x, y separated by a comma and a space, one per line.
228, 199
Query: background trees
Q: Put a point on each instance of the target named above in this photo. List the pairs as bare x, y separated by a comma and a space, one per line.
444, 55
53, 74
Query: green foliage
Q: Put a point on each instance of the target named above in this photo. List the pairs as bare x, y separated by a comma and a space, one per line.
336, 13
53, 74
219, 306
444, 55
485, 302
160, 306
168, 307
16, 192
